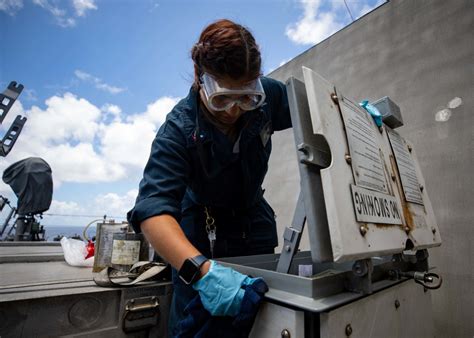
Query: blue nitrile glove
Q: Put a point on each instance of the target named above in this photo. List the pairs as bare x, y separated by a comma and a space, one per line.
220, 290
372, 111
198, 322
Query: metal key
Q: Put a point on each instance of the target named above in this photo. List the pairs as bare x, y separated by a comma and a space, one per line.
212, 240
211, 230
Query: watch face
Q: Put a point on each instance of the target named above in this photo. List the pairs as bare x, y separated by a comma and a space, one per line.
188, 271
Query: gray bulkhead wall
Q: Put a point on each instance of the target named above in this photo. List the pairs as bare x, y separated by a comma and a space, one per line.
421, 54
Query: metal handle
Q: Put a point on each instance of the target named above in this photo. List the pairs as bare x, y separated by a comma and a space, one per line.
131, 307
427, 279
140, 314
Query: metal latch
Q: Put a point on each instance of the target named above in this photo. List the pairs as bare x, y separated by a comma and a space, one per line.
140, 313
429, 280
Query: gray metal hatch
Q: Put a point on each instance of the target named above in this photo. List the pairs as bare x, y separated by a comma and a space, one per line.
362, 191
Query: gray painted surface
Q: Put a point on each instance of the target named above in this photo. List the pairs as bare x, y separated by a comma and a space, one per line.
33, 253
420, 54
401, 311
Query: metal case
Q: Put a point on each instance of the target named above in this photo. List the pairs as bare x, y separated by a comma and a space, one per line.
41, 297
391, 114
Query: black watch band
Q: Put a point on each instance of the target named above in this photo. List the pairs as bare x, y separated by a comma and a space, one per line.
191, 269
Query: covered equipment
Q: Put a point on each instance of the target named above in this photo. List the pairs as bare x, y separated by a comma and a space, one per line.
31, 180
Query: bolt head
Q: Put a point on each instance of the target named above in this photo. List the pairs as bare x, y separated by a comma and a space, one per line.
303, 151
397, 304
348, 330
285, 334
348, 158
363, 230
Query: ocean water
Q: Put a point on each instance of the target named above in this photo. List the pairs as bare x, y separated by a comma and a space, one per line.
68, 231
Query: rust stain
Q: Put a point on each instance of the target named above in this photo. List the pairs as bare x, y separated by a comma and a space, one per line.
388, 177
405, 206
384, 226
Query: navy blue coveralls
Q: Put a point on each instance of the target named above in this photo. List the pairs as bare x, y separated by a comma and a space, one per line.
193, 165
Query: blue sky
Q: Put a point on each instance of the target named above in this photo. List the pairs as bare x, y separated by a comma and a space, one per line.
101, 75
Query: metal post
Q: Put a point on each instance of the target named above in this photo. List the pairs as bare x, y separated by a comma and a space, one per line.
21, 228
313, 154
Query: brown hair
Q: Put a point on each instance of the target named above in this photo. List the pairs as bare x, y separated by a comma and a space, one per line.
226, 48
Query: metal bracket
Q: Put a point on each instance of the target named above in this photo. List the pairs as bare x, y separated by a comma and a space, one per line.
360, 280
313, 153
292, 237
7, 99
419, 263
313, 156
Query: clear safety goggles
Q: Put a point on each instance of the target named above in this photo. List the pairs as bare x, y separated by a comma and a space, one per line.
248, 97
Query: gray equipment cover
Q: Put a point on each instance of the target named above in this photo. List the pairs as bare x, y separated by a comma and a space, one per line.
32, 182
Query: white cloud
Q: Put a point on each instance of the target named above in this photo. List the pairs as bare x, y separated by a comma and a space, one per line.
81, 163
59, 14
114, 204
30, 95
62, 16
70, 133
113, 111
62, 213
156, 112
81, 6
314, 26
362, 8
321, 19
63, 134
134, 136
83, 75
108, 88
70, 213
11, 6
66, 118
128, 143
65, 208
99, 84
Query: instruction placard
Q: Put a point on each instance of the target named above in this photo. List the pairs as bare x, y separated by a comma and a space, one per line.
374, 207
406, 168
365, 154
125, 252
